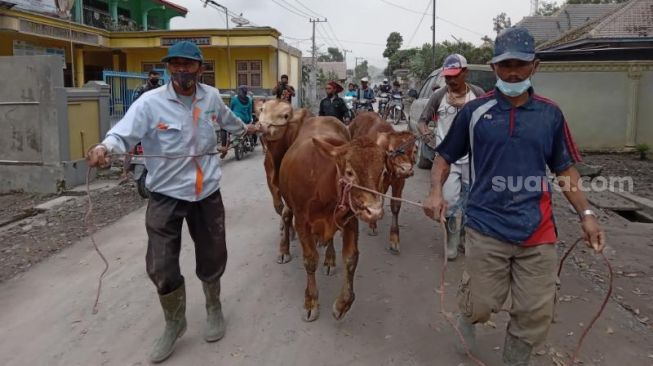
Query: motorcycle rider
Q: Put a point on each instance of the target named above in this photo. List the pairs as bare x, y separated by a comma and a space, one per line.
442, 107
333, 105
396, 90
352, 91
365, 93
385, 87
243, 106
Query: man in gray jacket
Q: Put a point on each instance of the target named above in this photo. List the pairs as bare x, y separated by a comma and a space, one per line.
442, 107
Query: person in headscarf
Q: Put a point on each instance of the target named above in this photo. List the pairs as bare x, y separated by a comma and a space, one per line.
333, 105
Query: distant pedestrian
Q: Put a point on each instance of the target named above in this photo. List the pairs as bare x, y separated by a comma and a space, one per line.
333, 105
283, 90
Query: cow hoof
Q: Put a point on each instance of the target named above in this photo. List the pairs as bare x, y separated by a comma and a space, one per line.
339, 314
311, 315
329, 270
372, 232
394, 250
284, 258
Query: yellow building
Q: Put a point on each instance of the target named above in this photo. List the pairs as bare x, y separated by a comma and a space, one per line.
133, 36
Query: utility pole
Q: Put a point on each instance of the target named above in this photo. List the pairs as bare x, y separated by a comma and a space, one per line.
313, 82
434, 16
357, 58
226, 13
345, 52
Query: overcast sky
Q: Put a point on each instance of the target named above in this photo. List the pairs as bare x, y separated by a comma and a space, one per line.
360, 25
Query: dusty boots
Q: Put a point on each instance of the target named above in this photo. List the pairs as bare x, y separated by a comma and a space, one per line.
468, 331
174, 311
516, 352
215, 328
453, 238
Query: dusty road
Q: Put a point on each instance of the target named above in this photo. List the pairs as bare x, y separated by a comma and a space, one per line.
46, 319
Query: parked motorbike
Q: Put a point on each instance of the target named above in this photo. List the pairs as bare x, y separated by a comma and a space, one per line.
137, 165
396, 109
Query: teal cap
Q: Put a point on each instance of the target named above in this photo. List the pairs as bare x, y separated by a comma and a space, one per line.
184, 49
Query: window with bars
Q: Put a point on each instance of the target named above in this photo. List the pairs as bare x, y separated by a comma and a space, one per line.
250, 73
208, 76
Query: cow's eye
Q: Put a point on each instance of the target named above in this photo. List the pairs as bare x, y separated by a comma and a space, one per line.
349, 173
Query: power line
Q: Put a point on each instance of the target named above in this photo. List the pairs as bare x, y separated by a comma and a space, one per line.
309, 9
290, 10
314, 13
428, 4
438, 17
296, 9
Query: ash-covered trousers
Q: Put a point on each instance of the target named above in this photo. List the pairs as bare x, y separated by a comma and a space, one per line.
495, 269
163, 221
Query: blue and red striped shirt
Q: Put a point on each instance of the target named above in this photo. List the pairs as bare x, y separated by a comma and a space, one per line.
510, 149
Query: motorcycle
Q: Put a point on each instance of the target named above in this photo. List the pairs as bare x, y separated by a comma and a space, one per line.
396, 109
349, 102
363, 105
384, 98
137, 165
243, 145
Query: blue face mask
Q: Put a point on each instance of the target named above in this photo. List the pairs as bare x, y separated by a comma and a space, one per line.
513, 89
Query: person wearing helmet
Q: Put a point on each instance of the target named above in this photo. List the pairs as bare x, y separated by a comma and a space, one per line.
178, 119
513, 136
385, 87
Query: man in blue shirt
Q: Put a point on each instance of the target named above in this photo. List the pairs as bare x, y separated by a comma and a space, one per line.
512, 135
175, 121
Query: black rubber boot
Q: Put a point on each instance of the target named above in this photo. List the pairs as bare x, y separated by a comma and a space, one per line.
516, 352
453, 238
215, 328
174, 312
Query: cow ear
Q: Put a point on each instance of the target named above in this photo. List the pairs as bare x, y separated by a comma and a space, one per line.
383, 140
327, 148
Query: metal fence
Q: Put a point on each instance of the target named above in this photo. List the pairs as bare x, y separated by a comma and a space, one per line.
122, 86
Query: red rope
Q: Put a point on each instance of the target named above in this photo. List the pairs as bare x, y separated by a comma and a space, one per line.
574, 356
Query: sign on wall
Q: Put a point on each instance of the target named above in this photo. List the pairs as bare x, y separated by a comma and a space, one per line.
22, 48
41, 6
200, 41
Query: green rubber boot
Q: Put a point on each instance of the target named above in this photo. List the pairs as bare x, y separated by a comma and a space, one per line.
468, 331
453, 238
174, 312
215, 327
516, 352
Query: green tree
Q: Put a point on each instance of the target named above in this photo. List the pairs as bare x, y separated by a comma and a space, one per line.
394, 42
501, 22
361, 70
333, 55
400, 60
547, 8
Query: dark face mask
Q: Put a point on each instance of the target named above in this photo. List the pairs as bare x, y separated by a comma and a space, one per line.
154, 81
185, 80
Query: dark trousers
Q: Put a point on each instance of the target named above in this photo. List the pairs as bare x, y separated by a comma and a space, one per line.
163, 221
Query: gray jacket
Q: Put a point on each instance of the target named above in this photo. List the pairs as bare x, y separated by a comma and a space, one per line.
434, 102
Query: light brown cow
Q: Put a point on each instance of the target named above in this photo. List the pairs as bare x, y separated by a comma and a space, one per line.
400, 162
313, 180
280, 125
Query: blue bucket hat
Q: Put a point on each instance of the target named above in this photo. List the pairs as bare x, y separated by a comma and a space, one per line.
184, 49
514, 44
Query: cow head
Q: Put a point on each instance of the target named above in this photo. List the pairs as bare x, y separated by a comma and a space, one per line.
400, 150
361, 162
274, 116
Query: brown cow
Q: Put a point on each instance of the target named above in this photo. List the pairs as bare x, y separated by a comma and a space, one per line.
313, 180
280, 125
400, 161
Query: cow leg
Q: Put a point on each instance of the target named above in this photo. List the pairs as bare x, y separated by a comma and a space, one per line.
372, 230
273, 184
311, 258
329, 258
395, 206
350, 259
284, 246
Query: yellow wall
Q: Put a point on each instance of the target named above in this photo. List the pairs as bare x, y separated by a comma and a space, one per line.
284, 68
7, 43
83, 126
295, 71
